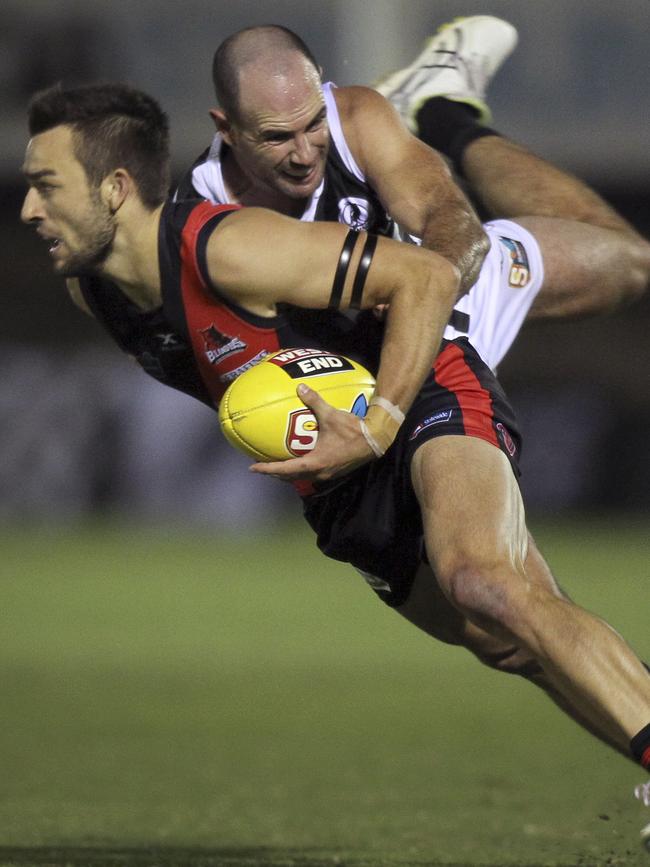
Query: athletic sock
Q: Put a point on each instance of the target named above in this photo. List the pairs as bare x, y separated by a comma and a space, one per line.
640, 747
449, 126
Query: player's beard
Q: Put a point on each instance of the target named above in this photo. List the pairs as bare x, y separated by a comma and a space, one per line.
98, 234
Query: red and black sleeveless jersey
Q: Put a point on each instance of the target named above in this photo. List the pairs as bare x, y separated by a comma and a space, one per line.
198, 341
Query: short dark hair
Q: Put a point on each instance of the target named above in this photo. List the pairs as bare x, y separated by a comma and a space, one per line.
230, 55
113, 126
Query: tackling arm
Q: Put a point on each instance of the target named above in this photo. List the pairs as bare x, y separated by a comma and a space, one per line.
412, 181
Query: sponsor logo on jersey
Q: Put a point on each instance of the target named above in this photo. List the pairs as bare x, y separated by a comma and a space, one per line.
354, 212
218, 345
438, 418
506, 439
519, 274
298, 363
233, 374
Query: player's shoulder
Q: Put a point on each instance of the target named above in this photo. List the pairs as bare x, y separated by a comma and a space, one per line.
366, 118
357, 99
177, 213
363, 113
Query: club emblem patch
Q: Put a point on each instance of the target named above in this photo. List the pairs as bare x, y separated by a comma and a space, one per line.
354, 212
218, 345
519, 274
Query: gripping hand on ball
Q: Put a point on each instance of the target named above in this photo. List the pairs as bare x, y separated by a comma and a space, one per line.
341, 446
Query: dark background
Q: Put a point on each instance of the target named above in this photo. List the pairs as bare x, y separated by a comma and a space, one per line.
82, 431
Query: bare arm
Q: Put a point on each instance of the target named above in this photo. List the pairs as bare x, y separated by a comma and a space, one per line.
258, 258
412, 181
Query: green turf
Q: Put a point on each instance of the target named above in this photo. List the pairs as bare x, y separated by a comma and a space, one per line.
174, 699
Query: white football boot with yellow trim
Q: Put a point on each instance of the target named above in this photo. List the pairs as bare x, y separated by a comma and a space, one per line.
457, 63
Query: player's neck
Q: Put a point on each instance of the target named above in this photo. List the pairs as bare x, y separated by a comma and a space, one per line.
134, 262
242, 190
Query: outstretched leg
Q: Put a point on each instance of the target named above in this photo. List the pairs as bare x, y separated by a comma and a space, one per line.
441, 95
430, 610
477, 544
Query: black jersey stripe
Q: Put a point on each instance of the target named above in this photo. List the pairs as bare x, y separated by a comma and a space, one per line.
202, 239
459, 321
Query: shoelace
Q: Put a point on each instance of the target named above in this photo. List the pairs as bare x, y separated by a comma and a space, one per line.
642, 792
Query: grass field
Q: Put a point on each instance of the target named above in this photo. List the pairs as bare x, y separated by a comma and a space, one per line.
176, 699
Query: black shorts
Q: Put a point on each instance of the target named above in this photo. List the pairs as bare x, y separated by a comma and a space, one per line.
371, 517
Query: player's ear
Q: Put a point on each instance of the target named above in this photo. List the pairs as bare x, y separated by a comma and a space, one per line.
222, 124
115, 188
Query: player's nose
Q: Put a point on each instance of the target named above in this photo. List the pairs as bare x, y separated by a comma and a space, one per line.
31, 210
303, 151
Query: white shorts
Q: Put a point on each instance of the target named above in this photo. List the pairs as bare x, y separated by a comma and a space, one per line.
499, 301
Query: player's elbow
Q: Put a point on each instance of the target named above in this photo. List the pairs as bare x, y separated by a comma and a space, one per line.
482, 248
413, 276
475, 255
638, 273
440, 280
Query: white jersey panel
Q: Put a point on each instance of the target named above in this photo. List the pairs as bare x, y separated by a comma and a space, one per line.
207, 178
499, 301
336, 132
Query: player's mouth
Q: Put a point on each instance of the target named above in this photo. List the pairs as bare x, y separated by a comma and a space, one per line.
305, 179
52, 241
303, 186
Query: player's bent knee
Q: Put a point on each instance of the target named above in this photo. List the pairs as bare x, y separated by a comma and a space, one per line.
488, 597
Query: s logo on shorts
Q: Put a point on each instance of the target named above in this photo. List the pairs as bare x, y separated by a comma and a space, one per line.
519, 269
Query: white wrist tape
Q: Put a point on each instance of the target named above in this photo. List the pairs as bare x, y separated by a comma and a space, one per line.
372, 442
390, 408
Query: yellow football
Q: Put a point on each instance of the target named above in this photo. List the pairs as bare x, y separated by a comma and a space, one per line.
262, 415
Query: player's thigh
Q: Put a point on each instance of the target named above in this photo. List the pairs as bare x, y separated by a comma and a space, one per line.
586, 268
471, 506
